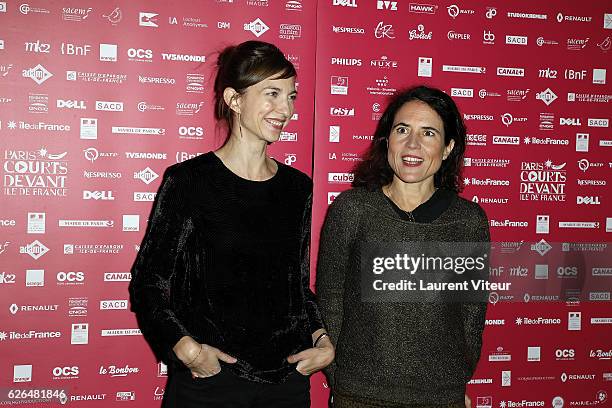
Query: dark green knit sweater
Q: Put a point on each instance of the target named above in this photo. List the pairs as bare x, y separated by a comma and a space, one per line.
407, 353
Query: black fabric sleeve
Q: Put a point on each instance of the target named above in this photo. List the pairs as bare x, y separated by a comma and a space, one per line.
474, 314
335, 242
315, 321
155, 267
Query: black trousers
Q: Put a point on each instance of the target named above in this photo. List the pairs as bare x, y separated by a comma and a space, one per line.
226, 390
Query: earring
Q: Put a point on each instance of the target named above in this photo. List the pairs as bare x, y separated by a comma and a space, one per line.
240, 126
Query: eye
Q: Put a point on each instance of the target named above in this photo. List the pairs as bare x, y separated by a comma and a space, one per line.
429, 133
293, 97
272, 93
401, 130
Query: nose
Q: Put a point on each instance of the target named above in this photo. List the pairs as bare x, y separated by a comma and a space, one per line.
412, 140
285, 106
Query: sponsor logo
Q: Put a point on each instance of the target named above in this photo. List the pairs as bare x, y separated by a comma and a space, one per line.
576, 44
571, 74
139, 55
453, 35
290, 31
348, 30
147, 19
536, 321
381, 87
144, 196
517, 95
346, 61
293, 5
86, 223
71, 249
340, 178
598, 122
75, 14
183, 57
545, 141
485, 182
542, 181
340, 111
454, 11
147, 175
35, 173
38, 47
38, 74
89, 128
581, 19
533, 16
500, 355
156, 80
195, 83
137, 130
507, 119
121, 304
383, 30
508, 223
38, 103
488, 37
591, 98
116, 371
462, 92
96, 77
383, 62
117, 276
419, 33
467, 116
71, 104
464, 69
421, 8
191, 132
74, 49
516, 40
188, 109
144, 106
482, 162
345, 3
510, 71
120, 332
386, 5
109, 106
257, 27
547, 96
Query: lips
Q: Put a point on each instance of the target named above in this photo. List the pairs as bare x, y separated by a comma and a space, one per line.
412, 161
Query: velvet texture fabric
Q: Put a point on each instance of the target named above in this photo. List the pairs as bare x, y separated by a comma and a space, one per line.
225, 260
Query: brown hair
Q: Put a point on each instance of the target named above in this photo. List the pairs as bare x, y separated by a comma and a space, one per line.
374, 171
243, 65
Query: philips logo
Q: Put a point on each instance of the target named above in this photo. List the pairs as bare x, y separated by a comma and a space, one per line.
346, 61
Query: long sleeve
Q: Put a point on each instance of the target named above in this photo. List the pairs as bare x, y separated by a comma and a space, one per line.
155, 266
314, 315
336, 239
474, 314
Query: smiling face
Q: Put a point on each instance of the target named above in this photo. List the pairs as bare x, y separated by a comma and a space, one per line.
266, 108
416, 144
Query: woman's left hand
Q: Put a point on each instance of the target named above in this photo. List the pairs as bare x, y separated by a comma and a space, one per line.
311, 360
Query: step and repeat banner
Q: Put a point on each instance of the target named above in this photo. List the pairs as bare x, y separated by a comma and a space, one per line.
531, 82
97, 100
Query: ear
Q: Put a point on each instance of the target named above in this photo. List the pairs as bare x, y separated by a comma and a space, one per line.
230, 96
448, 149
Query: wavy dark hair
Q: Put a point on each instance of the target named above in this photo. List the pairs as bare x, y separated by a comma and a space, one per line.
240, 66
374, 171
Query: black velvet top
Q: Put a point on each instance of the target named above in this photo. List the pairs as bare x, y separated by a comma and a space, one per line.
225, 260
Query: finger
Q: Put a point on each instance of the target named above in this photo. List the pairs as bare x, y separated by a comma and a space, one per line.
226, 357
294, 358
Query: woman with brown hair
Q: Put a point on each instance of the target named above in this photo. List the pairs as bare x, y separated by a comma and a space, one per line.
408, 353
221, 283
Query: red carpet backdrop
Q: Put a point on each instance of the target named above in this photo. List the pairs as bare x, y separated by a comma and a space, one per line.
97, 100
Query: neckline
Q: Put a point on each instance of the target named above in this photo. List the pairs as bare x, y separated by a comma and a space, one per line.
229, 171
426, 212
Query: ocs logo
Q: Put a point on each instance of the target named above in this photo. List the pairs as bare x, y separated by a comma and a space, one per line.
65, 371
567, 271
70, 276
191, 131
140, 53
565, 353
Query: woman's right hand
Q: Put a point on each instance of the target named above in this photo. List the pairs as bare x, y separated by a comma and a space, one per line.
201, 359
